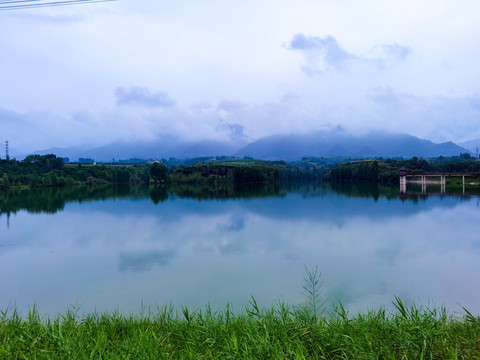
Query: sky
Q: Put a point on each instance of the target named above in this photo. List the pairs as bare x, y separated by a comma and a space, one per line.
131, 70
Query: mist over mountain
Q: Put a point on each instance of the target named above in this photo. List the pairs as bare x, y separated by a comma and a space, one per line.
339, 143
278, 147
164, 148
471, 145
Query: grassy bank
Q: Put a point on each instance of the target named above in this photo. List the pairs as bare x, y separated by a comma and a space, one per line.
280, 332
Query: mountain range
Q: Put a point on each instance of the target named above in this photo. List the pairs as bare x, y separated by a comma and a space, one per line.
292, 147
278, 147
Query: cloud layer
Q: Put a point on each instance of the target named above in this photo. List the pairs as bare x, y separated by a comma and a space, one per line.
439, 118
129, 71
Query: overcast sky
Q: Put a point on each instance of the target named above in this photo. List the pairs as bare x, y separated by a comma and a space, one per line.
139, 69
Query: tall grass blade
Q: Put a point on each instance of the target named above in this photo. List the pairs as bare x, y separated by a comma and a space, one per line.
314, 299
400, 307
470, 317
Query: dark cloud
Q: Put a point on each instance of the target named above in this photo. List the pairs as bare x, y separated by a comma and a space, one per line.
324, 49
234, 131
140, 96
234, 225
324, 53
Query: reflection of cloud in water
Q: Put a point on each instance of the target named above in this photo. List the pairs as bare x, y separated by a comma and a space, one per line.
235, 247
234, 224
292, 256
254, 247
145, 261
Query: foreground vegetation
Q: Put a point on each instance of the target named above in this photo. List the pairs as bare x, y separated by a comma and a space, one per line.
279, 332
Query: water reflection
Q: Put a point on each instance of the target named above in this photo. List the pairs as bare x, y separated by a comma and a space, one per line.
52, 200
193, 246
144, 261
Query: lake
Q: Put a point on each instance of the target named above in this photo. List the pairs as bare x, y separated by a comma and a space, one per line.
121, 248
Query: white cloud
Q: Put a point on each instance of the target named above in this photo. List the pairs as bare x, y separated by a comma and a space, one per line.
59, 67
439, 118
322, 54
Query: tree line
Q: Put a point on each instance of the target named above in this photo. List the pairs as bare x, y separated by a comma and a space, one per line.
237, 172
387, 170
50, 170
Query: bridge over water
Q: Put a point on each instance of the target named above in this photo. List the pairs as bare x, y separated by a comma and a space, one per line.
438, 178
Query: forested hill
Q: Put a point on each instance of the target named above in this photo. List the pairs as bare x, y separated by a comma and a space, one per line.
50, 170
376, 144
387, 170
241, 171
289, 147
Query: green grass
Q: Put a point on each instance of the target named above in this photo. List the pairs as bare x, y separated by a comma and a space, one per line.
279, 332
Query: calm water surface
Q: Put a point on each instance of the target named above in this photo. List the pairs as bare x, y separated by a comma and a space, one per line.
116, 248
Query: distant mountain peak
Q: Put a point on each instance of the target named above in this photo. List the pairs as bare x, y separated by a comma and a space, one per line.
289, 147
332, 143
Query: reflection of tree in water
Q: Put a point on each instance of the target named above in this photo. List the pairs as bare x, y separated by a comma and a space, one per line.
158, 194
228, 191
376, 191
51, 200
362, 190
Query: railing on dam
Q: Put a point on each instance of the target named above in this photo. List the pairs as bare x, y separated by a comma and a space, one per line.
421, 178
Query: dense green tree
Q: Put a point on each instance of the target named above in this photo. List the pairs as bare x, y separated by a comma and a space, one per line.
49, 170
5, 182
159, 173
387, 170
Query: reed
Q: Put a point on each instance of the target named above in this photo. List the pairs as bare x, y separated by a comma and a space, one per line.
278, 332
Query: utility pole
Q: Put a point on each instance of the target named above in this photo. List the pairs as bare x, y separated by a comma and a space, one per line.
6, 151
477, 152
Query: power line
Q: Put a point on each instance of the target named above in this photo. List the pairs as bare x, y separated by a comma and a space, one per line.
18, 1
30, 4
22, 4
40, 2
